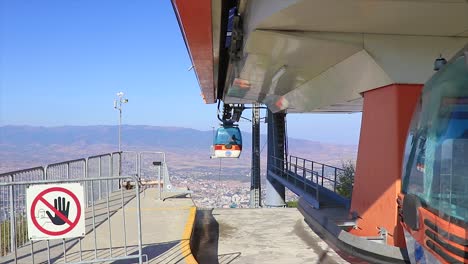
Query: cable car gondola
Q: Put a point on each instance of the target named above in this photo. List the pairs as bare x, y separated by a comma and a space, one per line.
227, 142
434, 200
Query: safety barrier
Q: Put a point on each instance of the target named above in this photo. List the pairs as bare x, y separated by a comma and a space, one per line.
102, 177
313, 178
14, 210
76, 250
152, 163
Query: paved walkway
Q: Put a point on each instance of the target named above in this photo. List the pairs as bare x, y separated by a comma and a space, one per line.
260, 236
166, 229
224, 235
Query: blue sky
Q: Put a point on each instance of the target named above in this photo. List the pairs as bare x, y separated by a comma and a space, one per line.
62, 62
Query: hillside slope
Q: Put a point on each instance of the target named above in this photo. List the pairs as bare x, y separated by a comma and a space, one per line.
28, 146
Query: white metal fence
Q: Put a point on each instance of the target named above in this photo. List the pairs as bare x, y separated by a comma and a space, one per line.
102, 177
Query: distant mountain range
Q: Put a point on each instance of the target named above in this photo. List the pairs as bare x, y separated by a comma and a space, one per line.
28, 146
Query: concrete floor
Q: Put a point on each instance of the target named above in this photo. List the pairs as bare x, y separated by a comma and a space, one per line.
221, 235
163, 225
259, 236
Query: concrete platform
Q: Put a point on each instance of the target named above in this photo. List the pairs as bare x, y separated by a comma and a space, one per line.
277, 235
166, 230
360, 249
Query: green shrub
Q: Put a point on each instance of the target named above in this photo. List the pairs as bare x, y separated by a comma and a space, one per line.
292, 204
346, 179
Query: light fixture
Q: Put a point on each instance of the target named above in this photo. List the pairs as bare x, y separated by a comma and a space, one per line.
118, 106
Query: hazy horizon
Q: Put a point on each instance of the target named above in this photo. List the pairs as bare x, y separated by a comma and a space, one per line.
63, 63
263, 130
29, 146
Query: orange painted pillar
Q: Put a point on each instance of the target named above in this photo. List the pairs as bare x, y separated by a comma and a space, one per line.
386, 117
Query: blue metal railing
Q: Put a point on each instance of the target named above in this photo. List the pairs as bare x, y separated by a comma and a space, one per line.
314, 178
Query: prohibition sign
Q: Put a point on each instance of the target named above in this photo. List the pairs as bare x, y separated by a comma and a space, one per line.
71, 224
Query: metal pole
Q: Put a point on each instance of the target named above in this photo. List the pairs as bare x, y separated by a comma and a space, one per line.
334, 182
159, 180
99, 175
109, 221
255, 188
317, 189
64, 244
93, 220
312, 169
275, 191
4, 238
120, 124
12, 221
108, 209
118, 106
323, 171
140, 242
32, 251
85, 175
304, 174
68, 171
48, 252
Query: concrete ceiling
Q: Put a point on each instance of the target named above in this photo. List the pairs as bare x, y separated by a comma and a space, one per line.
395, 17
321, 55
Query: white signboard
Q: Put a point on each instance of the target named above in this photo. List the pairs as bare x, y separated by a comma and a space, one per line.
55, 211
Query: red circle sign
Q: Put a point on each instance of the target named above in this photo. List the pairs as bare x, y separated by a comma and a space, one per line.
40, 197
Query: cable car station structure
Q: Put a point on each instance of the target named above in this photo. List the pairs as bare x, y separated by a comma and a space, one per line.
322, 56
385, 58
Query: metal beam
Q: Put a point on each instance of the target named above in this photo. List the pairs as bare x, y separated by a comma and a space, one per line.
275, 191
255, 186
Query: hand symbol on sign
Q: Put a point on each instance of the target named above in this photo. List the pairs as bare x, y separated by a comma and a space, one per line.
59, 204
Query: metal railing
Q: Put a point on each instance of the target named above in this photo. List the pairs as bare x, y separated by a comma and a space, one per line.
154, 163
309, 176
13, 211
102, 177
73, 250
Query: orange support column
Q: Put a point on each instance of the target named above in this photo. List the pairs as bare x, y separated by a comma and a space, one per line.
386, 117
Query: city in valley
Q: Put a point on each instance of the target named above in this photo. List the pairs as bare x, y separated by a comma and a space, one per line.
213, 188
214, 182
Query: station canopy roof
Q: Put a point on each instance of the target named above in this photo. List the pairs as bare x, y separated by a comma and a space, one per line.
316, 55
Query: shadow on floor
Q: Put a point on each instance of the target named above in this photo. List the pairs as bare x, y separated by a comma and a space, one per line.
162, 252
205, 237
228, 258
167, 252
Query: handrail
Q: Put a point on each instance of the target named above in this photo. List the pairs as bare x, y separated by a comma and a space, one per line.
313, 174
315, 162
65, 162
5, 174
14, 232
101, 174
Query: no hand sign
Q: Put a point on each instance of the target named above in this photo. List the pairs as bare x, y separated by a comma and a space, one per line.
55, 211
